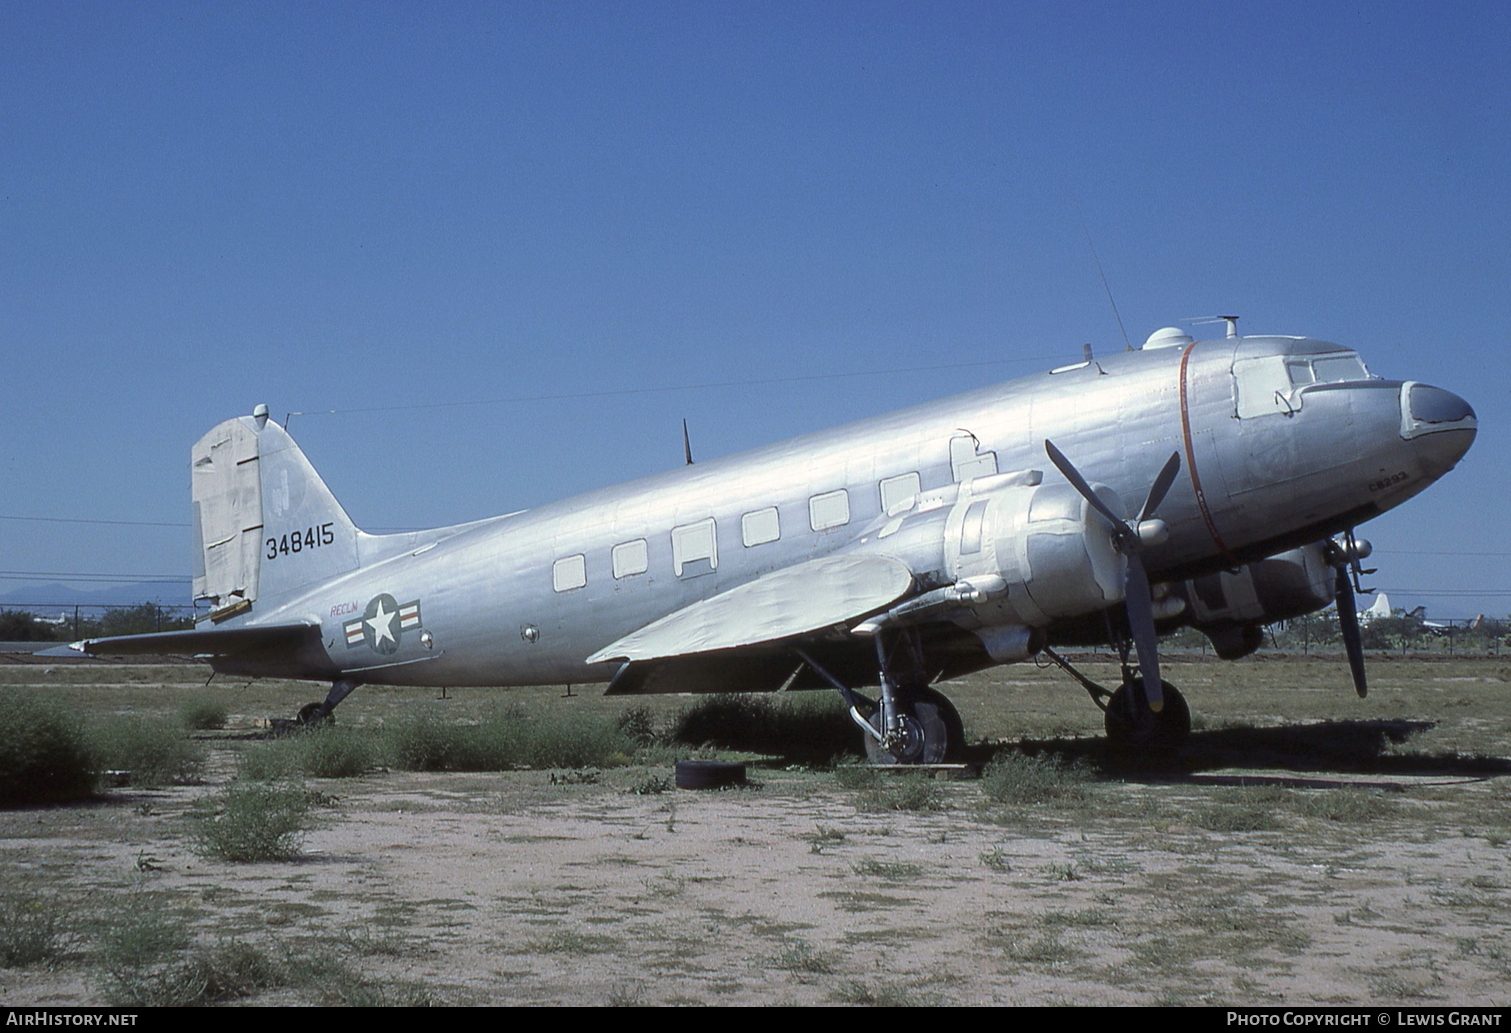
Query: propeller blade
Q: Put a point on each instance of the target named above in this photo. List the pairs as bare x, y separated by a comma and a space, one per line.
1348, 623
1160, 487
1141, 626
1079, 483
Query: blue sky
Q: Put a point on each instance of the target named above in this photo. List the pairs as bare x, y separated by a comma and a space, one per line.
372, 206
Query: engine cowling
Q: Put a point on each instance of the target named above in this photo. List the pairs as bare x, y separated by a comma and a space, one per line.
1037, 552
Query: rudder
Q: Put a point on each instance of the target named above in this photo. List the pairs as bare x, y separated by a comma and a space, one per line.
266, 524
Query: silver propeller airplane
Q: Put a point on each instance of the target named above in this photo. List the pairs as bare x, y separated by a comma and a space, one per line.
898, 551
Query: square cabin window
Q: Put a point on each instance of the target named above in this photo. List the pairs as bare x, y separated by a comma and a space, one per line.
831, 509
569, 572
630, 558
695, 550
760, 527
897, 490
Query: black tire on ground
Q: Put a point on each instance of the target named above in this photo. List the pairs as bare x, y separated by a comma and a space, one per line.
709, 774
936, 735
1144, 729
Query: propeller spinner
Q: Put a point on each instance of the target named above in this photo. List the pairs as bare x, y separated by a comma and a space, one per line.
1130, 539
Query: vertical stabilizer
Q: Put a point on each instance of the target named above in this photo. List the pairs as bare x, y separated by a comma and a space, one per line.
266, 523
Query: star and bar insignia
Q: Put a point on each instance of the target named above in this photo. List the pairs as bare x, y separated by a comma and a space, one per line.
383, 624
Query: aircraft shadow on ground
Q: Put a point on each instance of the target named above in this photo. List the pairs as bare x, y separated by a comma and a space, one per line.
1330, 747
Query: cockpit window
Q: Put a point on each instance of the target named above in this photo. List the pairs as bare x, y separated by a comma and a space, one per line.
1269, 384
1332, 369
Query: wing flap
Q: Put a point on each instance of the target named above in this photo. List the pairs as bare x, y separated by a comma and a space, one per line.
796, 600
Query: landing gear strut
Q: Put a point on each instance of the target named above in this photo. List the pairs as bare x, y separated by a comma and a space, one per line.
912, 724
928, 731
1129, 722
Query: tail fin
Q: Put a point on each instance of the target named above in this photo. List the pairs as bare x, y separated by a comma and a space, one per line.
266, 523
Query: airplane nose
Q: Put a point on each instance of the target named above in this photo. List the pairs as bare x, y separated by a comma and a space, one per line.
1430, 405
1439, 423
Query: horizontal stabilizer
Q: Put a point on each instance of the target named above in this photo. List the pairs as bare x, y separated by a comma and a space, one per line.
275, 641
792, 601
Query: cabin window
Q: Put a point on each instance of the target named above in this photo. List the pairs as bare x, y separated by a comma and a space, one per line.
831, 509
569, 572
967, 462
630, 558
695, 549
760, 527
897, 490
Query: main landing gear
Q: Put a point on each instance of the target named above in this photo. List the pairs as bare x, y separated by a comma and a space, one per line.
1129, 721
912, 723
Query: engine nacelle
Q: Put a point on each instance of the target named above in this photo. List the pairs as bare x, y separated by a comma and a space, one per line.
1039, 551
1231, 607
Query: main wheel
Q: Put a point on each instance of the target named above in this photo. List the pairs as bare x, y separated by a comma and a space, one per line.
1131, 724
932, 732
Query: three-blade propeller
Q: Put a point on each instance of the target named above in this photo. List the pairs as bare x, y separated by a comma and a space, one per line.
1345, 560
1129, 539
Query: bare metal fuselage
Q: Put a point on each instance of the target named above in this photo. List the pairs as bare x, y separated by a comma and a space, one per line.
507, 601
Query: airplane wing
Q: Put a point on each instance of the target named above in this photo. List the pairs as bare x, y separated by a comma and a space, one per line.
785, 603
266, 642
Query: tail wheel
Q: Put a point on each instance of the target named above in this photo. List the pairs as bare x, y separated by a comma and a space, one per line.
1132, 725
309, 710
932, 732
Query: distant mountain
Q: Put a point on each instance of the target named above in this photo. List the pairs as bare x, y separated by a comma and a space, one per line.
49, 600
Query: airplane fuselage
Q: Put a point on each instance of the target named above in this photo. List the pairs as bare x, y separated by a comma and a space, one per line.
1282, 441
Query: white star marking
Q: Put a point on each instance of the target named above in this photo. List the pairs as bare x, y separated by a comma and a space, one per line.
382, 624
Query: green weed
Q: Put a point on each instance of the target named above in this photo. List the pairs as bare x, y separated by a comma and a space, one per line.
808, 725
878, 792
154, 752
31, 928
327, 751
203, 712
890, 871
505, 740
254, 822
1019, 779
799, 957
44, 753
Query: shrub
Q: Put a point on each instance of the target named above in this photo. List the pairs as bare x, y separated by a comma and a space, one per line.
201, 713
154, 752
325, 751
1015, 778
44, 754
506, 739
31, 928
891, 791
806, 724
255, 822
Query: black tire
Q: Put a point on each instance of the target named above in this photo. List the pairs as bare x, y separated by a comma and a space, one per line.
709, 774
936, 735
309, 710
1142, 728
